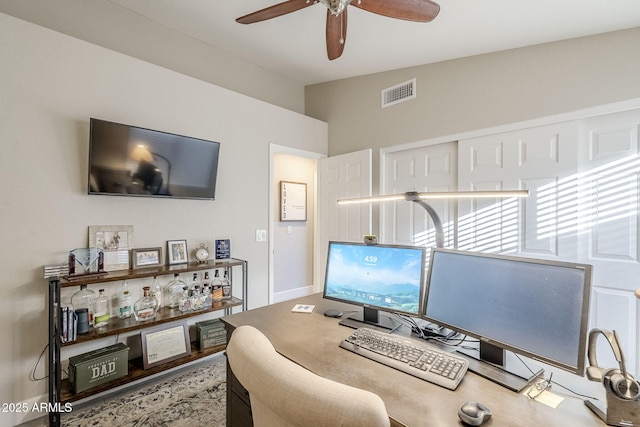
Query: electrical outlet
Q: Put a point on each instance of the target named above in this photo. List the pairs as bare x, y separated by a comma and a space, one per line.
261, 235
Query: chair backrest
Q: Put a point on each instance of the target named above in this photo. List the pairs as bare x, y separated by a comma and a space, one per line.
284, 394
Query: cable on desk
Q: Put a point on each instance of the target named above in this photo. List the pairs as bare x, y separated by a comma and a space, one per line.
410, 322
550, 381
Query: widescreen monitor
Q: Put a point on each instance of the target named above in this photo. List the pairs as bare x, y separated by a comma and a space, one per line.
536, 308
378, 277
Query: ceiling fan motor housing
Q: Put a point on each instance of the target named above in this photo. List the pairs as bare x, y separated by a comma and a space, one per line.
336, 6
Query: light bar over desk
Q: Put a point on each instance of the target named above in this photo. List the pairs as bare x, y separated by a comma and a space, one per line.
419, 198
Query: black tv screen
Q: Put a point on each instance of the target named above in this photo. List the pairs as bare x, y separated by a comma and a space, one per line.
132, 161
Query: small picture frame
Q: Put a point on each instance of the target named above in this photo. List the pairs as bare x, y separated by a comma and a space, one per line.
162, 344
177, 252
293, 201
115, 242
146, 257
223, 249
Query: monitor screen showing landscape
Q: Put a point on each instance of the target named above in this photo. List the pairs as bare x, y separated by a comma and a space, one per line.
386, 277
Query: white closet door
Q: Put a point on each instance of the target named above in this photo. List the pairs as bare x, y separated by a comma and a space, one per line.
429, 168
541, 160
608, 230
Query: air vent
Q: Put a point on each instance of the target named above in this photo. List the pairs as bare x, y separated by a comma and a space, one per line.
399, 93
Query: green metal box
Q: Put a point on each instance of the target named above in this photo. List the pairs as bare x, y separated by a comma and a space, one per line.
210, 333
97, 367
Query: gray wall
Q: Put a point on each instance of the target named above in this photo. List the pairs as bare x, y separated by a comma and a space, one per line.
478, 92
125, 31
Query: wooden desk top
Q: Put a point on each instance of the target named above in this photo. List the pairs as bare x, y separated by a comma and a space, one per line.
312, 340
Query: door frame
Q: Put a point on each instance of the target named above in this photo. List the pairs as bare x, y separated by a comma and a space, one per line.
273, 197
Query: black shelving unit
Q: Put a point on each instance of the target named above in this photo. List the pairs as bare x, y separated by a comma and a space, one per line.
60, 390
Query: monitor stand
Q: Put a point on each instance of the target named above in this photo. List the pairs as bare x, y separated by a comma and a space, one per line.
370, 317
495, 366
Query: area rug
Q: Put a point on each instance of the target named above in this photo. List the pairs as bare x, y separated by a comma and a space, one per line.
192, 397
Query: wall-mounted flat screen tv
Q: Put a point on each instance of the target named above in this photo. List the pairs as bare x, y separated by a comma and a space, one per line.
132, 161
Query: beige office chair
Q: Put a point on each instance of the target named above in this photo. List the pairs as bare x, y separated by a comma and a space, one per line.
284, 394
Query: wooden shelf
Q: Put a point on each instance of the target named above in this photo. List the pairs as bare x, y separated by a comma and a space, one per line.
136, 372
60, 390
165, 315
114, 276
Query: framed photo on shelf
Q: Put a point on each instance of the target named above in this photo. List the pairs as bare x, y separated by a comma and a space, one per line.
164, 343
115, 242
177, 252
293, 201
147, 257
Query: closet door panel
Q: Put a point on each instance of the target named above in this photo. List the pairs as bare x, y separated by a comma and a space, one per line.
608, 239
428, 168
540, 160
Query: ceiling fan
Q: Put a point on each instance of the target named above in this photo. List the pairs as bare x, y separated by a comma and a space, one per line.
336, 33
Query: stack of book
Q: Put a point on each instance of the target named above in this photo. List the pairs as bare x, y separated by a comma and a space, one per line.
68, 324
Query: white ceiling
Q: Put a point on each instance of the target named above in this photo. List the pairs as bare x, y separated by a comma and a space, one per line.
294, 45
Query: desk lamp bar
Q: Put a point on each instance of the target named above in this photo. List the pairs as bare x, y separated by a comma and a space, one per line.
419, 199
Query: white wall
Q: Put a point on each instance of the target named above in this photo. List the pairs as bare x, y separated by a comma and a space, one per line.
293, 240
50, 84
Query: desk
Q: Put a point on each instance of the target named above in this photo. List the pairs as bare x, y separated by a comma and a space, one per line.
312, 340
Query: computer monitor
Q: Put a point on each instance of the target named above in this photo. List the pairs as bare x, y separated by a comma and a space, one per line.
536, 308
376, 277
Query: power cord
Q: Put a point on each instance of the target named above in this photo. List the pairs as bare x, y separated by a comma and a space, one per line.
550, 381
35, 367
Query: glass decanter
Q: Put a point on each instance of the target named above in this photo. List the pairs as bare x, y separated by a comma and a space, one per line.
84, 299
146, 307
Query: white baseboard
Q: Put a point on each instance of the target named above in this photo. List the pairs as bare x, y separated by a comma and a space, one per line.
292, 294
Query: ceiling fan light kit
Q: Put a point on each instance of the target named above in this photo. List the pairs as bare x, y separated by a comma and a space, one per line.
336, 32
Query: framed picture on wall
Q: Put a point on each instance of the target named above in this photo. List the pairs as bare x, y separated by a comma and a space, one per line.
293, 201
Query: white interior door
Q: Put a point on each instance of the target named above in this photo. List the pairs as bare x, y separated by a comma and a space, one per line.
341, 177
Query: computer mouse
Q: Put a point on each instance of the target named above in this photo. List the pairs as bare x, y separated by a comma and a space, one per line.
474, 413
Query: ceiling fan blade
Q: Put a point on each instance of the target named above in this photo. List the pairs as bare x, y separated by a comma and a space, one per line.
275, 11
336, 34
409, 10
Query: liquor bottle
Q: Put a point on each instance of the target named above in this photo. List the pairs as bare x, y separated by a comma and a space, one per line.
101, 309
124, 301
205, 280
84, 299
216, 287
194, 282
206, 296
156, 291
184, 303
174, 291
226, 286
146, 307
196, 298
